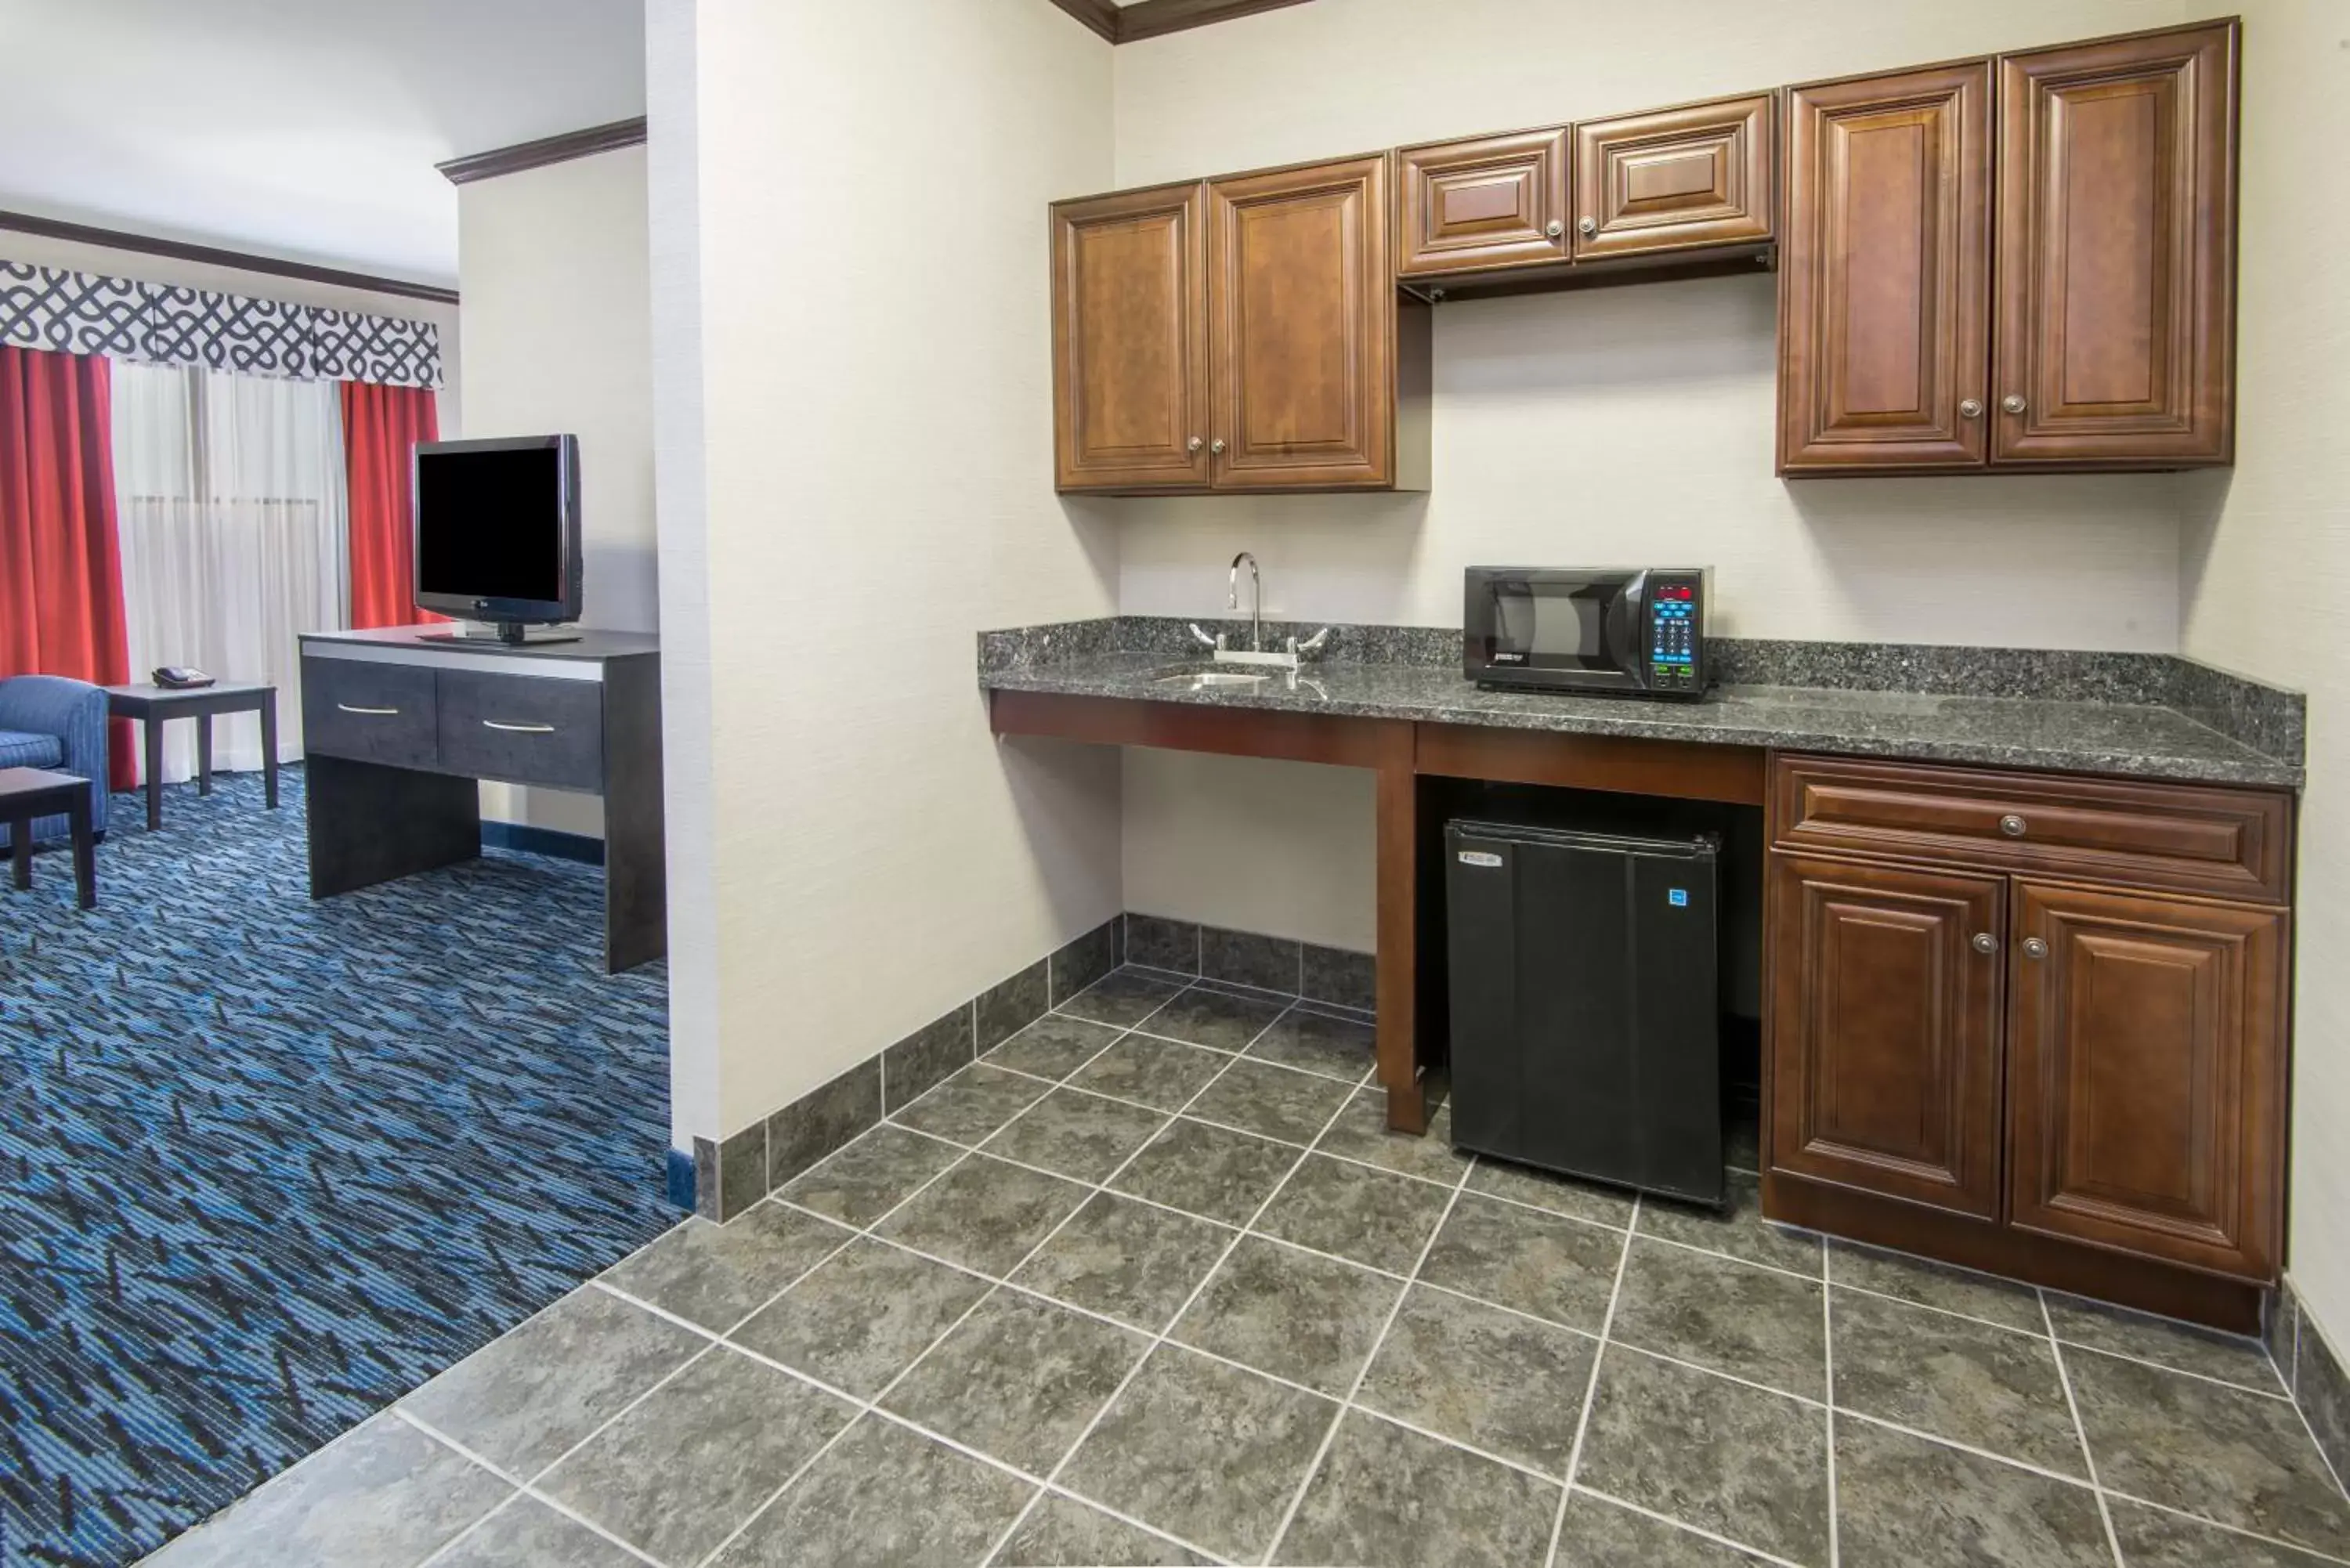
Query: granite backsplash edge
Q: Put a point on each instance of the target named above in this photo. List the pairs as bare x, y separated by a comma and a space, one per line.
2268, 719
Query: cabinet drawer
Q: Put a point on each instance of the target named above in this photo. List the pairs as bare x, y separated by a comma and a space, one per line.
368, 712
522, 729
2228, 842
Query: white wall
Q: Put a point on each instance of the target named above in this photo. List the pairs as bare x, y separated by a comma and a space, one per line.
1630, 424
2277, 525
855, 439
555, 271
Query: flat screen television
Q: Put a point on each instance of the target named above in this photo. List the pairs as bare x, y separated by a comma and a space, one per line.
497, 531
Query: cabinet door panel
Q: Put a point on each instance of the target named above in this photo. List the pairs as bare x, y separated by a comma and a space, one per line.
1481, 205
1673, 179
1129, 341
2116, 239
1302, 335
1884, 275
1885, 1016
2146, 1053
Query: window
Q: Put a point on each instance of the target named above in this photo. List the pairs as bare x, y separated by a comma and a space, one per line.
230, 495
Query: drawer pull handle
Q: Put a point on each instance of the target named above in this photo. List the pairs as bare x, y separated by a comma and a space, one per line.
518, 729
2034, 948
371, 712
2012, 825
1985, 942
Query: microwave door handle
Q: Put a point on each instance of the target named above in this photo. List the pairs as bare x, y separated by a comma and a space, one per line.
1626, 631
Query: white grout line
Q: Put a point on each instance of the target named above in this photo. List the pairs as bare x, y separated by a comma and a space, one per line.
1827, 1357
1355, 1389
1591, 1388
2173, 1371
1160, 1338
2176, 1511
522, 1489
1683, 1525
2080, 1430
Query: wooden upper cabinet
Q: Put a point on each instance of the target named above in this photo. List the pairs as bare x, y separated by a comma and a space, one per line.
1131, 340
1676, 179
1884, 1054
1494, 202
1884, 279
1301, 341
2117, 252
2147, 1073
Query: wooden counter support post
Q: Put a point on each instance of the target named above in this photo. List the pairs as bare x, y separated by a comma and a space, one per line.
1398, 837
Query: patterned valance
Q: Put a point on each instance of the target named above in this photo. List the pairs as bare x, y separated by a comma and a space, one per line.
83, 313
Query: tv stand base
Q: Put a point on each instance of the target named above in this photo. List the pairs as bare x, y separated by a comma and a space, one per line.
512, 633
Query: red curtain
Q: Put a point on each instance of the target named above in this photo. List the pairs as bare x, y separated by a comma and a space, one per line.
381, 426
60, 560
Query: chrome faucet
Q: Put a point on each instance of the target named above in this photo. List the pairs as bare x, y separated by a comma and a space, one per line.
1256, 599
1256, 654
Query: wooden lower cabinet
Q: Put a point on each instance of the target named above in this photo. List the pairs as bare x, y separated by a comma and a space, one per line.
2146, 1053
1885, 1004
2079, 1082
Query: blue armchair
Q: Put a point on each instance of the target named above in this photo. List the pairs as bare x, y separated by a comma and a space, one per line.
49, 721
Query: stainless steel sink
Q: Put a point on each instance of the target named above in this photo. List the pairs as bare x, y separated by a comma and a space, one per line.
1202, 680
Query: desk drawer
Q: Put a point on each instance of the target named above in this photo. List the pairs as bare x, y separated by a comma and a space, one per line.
2232, 843
523, 729
368, 712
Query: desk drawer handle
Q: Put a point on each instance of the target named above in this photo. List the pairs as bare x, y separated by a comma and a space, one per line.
518, 729
2014, 826
371, 712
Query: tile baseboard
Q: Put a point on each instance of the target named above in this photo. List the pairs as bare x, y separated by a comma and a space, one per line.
2313, 1375
1284, 965
722, 1177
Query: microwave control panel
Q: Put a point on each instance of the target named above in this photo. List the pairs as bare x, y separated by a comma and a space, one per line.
1675, 634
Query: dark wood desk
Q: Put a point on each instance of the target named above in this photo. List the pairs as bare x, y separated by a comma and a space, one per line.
1402, 754
155, 706
28, 794
400, 724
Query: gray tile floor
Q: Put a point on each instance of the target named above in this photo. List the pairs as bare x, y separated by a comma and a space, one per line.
1153, 1284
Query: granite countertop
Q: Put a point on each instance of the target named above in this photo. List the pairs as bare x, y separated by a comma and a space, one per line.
2075, 734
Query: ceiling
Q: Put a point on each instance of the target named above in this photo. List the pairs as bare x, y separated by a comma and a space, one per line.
301, 128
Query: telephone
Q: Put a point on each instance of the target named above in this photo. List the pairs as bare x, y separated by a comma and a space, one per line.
181, 677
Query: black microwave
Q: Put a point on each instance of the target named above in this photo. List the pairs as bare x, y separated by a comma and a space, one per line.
1637, 633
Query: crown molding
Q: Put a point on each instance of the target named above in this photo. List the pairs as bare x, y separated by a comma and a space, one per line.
216, 256
546, 150
1155, 18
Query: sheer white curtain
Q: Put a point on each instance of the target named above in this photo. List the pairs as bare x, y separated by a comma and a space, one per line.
229, 490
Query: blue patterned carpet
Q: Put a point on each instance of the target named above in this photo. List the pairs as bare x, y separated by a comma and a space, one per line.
266, 1165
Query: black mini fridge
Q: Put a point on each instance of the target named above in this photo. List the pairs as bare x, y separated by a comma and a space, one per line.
1586, 1037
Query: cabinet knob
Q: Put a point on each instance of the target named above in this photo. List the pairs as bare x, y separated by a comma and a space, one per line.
1985, 942
2012, 825
1587, 226
1556, 228
2013, 402
1216, 447
1195, 444
1970, 408
2034, 948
